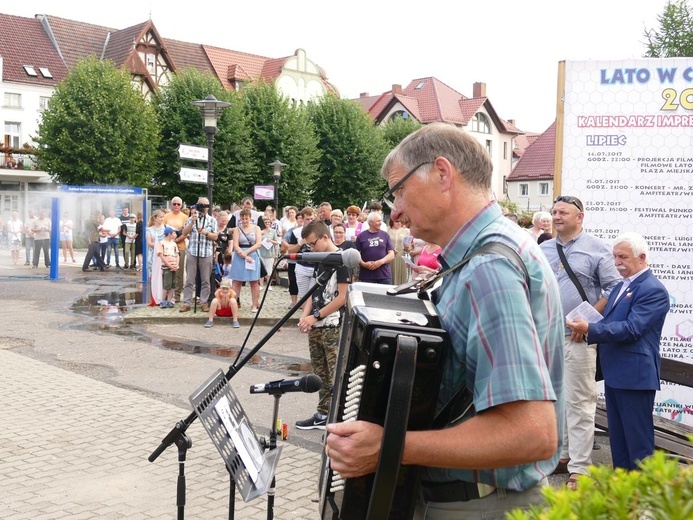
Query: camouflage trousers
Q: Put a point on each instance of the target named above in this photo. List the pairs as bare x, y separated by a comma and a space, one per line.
323, 344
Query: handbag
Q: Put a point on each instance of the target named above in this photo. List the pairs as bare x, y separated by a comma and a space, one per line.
598, 376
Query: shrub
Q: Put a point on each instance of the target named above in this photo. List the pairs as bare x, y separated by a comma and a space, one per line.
662, 489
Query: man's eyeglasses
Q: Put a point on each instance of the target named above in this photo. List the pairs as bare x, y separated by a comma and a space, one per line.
388, 196
312, 244
176, 204
569, 200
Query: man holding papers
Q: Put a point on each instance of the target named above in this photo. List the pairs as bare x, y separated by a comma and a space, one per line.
585, 271
628, 338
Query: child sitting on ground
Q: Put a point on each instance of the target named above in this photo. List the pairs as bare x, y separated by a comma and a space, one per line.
168, 252
224, 304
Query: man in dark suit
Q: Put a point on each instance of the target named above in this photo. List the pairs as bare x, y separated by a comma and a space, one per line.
628, 337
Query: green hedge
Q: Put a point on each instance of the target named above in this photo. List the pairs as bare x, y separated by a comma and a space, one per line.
661, 490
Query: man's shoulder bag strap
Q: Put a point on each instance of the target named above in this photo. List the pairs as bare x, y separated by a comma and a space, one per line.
570, 272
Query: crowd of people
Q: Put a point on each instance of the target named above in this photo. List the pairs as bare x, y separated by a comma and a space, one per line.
108, 237
34, 233
522, 345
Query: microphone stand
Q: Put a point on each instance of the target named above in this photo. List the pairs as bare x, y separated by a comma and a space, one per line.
177, 434
271, 445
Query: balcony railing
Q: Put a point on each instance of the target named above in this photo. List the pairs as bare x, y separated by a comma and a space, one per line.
17, 161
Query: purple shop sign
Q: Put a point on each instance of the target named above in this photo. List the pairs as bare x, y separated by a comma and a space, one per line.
263, 192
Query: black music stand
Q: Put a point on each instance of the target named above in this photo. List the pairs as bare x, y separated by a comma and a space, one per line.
220, 411
178, 436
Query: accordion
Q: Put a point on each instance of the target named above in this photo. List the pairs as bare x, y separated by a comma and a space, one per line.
388, 371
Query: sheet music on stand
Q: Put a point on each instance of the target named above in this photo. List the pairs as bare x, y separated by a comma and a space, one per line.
222, 415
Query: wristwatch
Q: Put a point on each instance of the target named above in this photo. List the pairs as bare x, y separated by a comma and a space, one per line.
316, 315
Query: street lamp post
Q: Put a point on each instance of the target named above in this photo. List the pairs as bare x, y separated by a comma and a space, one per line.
277, 167
211, 108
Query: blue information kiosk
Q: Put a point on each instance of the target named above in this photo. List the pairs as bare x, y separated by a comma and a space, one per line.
94, 190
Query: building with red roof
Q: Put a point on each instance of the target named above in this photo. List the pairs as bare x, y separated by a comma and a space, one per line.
36, 54
429, 100
530, 183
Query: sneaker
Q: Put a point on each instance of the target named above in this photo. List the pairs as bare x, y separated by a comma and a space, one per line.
236, 324
163, 304
270, 288
170, 305
314, 423
254, 310
209, 324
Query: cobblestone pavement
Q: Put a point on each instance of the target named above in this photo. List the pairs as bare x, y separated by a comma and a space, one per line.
85, 406
89, 395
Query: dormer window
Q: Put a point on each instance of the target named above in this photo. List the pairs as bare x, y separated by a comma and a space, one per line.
480, 123
400, 114
30, 71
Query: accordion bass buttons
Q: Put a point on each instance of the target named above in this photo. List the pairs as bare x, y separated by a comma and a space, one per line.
384, 349
430, 354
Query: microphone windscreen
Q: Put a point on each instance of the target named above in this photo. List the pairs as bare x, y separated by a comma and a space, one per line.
351, 258
311, 383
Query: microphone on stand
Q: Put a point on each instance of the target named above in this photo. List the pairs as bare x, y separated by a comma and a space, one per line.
308, 384
348, 258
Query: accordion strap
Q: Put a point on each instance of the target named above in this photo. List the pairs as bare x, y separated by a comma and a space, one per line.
394, 429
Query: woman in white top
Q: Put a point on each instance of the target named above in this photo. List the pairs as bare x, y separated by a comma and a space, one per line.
353, 226
289, 220
14, 234
66, 226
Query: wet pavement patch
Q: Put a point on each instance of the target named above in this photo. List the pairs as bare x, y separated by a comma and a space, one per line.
107, 310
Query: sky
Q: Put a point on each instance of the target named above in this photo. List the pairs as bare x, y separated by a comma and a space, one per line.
368, 46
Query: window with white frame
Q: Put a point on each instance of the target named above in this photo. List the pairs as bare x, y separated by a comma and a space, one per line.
488, 146
524, 190
43, 103
9, 203
12, 100
505, 150
480, 123
543, 188
151, 64
12, 134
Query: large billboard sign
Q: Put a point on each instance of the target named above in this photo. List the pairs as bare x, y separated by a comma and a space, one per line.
625, 148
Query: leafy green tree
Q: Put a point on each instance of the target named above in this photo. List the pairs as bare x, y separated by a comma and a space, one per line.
280, 131
98, 129
352, 153
397, 129
181, 122
674, 38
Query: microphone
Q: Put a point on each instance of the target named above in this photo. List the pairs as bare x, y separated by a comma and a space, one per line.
348, 258
308, 384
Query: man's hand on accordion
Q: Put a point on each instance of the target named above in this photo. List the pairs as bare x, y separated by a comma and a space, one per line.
353, 447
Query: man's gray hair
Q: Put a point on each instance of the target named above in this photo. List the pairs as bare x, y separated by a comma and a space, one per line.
463, 151
540, 215
636, 242
373, 216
